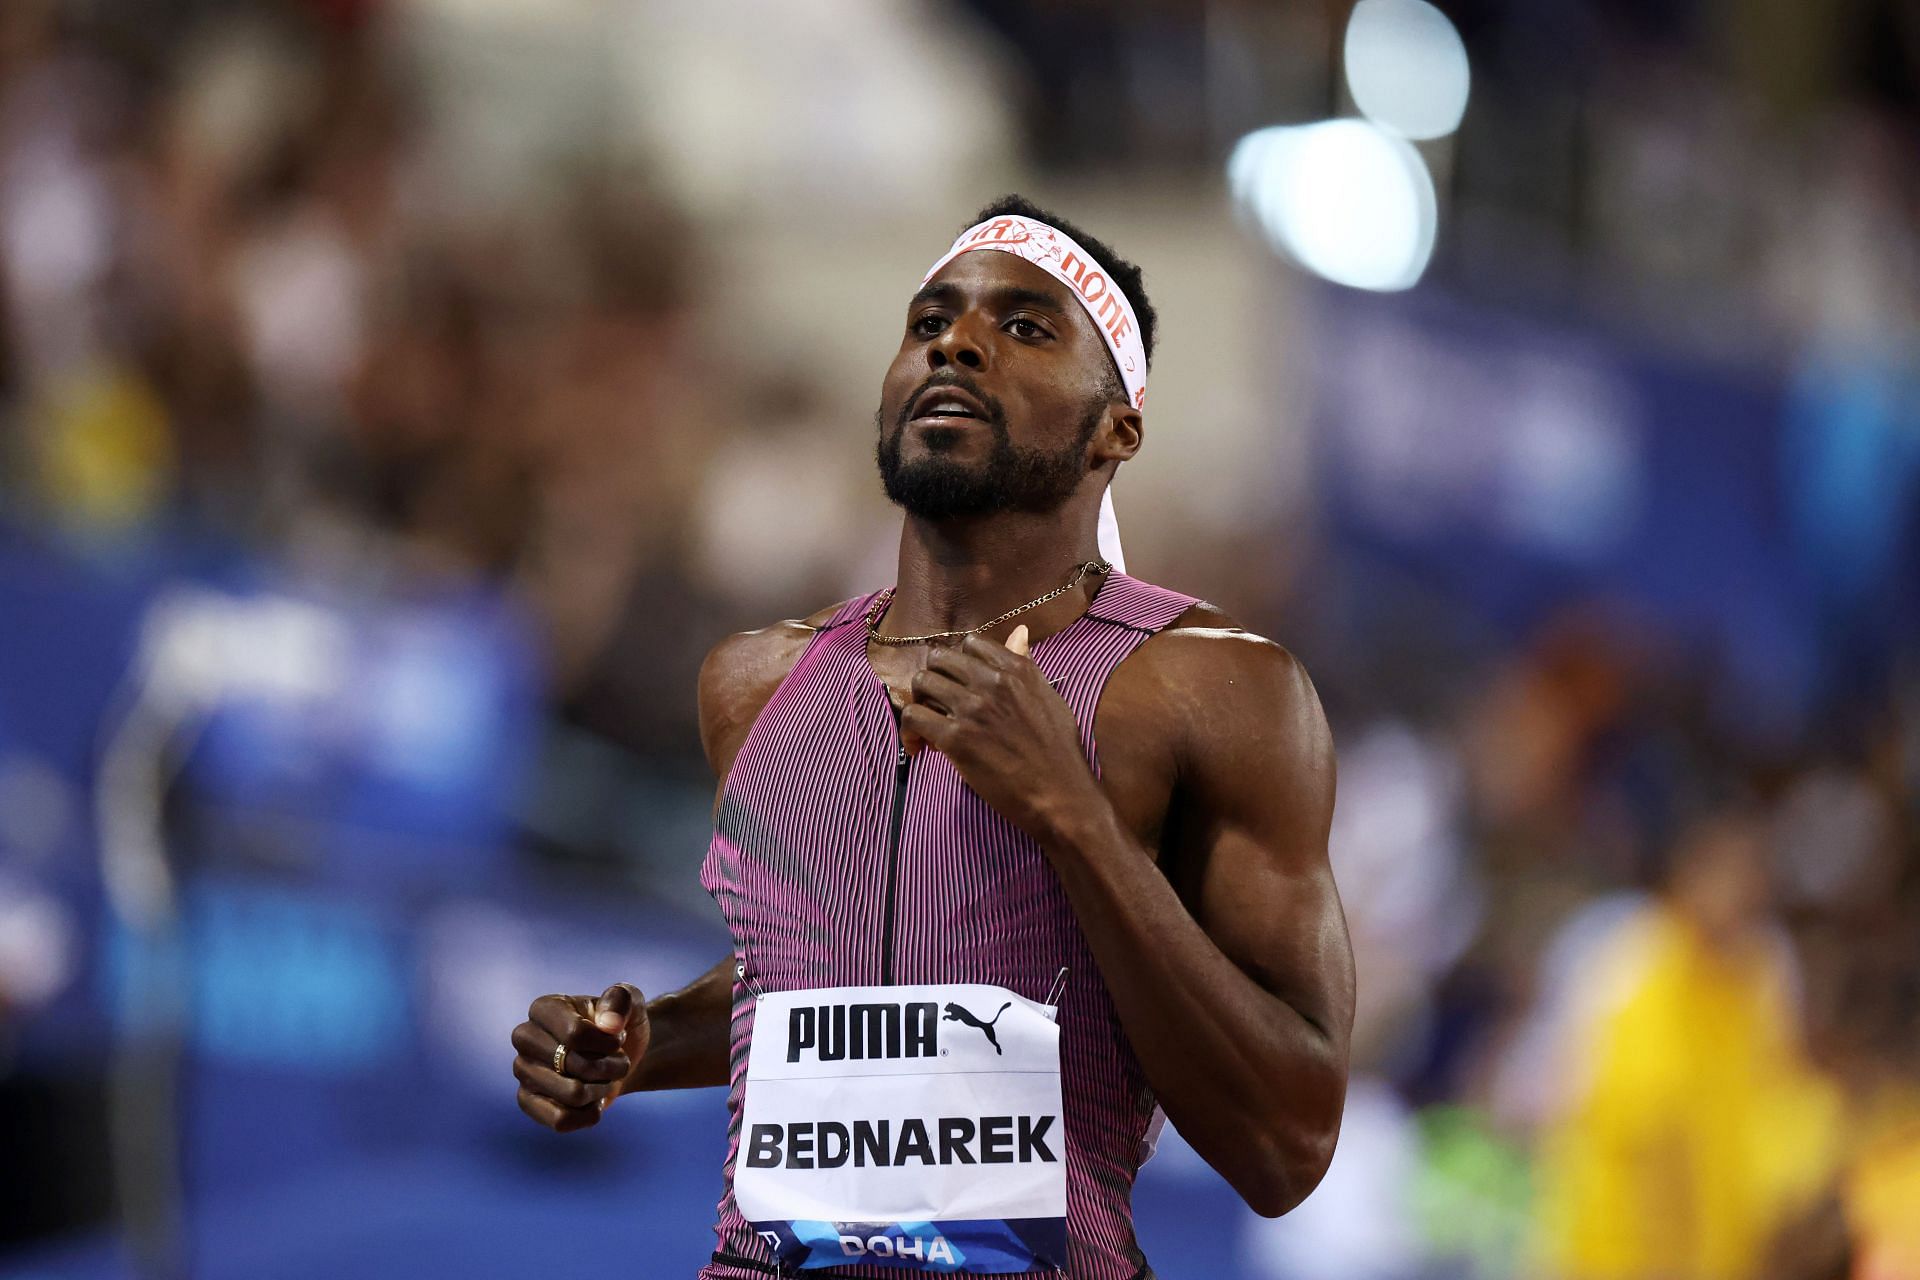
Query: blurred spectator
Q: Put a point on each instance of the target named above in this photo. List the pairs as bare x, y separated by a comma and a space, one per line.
1693, 1123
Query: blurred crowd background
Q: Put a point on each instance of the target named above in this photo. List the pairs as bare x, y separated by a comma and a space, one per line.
397, 397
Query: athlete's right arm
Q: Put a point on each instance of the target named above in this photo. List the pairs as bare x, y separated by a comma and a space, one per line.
621, 1042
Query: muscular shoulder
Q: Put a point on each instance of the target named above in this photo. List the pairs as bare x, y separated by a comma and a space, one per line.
740, 674
1226, 695
1207, 662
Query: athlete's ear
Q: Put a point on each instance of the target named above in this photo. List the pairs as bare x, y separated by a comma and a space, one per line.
1121, 436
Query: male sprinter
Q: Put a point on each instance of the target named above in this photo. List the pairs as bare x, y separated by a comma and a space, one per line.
1014, 853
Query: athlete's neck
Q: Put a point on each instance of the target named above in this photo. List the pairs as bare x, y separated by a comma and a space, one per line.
957, 574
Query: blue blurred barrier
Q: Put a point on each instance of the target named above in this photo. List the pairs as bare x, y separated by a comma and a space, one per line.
1520, 467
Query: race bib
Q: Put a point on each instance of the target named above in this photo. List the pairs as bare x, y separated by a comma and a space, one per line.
915, 1127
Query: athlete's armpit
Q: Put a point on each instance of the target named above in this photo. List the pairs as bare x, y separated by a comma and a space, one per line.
738, 676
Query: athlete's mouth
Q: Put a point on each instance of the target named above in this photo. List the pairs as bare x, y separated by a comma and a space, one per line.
945, 404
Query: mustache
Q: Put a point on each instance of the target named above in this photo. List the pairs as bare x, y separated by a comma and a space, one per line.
951, 377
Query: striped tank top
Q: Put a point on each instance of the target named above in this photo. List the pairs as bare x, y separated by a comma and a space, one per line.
839, 861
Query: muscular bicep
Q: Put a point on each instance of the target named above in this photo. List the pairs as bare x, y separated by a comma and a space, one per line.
1256, 795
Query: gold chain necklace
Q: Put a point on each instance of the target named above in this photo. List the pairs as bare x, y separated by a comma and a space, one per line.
885, 598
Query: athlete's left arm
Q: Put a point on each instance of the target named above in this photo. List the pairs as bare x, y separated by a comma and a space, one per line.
1239, 998
1240, 1009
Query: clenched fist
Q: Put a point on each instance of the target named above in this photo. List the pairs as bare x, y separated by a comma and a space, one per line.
604, 1037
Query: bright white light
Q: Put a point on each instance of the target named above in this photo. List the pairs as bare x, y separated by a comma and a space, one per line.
1406, 67
1345, 199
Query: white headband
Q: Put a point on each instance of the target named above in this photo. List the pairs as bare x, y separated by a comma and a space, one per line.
1060, 256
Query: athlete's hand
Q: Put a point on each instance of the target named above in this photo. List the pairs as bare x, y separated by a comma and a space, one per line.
1011, 736
604, 1038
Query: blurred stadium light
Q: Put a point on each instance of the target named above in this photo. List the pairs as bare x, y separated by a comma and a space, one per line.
1351, 200
1346, 199
1406, 67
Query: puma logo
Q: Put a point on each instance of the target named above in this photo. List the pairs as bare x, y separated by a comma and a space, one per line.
957, 1014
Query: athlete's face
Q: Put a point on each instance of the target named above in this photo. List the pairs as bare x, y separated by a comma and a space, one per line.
1002, 396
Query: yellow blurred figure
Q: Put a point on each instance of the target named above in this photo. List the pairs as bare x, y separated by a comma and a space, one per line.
106, 450
1696, 1126
1882, 1198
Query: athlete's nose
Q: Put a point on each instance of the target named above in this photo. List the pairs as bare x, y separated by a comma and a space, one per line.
959, 344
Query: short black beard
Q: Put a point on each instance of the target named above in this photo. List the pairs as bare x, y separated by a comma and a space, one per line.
1012, 479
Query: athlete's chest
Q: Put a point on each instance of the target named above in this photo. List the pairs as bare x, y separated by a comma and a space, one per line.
1136, 736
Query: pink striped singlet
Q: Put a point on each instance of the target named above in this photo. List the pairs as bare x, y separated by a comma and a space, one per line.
838, 861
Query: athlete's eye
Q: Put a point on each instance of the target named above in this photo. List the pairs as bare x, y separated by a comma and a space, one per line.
1021, 327
928, 325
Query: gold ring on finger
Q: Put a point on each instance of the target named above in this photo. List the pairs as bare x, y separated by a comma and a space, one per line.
560, 1059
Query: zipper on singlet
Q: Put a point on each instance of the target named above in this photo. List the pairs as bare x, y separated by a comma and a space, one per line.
901, 762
